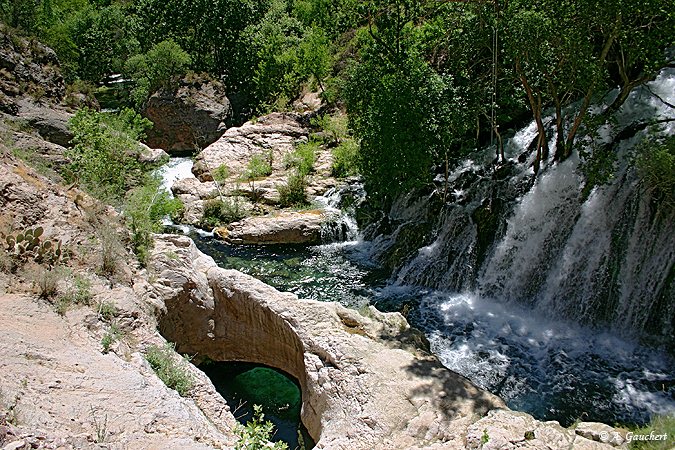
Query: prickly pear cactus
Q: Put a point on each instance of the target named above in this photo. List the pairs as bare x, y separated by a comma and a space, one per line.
27, 245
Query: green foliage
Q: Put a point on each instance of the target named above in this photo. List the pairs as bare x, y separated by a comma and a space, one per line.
107, 311
78, 292
103, 156
112, 335
256, 434
656, 166
659, 425
302, 158
46, 280
144, 208
156, 69
221, 212
293, 192
112, 249
315, 57
259, 166
221, 173
335, 128
345, 159
171, 370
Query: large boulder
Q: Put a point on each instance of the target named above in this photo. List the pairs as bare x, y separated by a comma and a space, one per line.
190, 116
276, 133
285, 227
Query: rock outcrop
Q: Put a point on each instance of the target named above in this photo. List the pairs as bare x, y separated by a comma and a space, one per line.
27, 67
285, 227
366, 382
188, 117
59, 388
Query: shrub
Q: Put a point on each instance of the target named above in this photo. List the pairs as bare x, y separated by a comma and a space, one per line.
156, 69
107, 311
345, 159
46, 281
144, 209
256, 434
259, 166
103, 156
334, 128
293, 192
112, 250
78, 292
221, 212
112, 335
173, 373
302, 158
221, 173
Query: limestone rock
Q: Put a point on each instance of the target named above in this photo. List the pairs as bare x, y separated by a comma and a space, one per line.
277, 133
287, 227
600, 432
51, 123
192, 115
505, 430
151, 155
360, 390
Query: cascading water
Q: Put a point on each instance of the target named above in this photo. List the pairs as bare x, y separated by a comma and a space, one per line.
517, 280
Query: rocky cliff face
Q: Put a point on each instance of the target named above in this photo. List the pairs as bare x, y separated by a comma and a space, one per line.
188, 117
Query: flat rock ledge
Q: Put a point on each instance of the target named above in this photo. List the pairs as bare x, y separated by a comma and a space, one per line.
366, 381
286, 227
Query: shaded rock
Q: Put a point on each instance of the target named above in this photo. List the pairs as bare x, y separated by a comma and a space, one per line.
188, 117
28, 67
600, 432
287, 227
51, 123
360, 389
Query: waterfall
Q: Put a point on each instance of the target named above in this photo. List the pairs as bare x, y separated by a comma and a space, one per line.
604, 259
340, 204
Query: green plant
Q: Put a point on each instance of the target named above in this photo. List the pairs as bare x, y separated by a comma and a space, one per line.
256, 434
345, 159
103, 155
656, 166
112, 250
78, 292
28, 245
335, 128
169, 368
663, 426
302, 158
107, 311
112, 335
144, 209
485, 438
221, 212
221, 173
46, 281
100, 427
293, 192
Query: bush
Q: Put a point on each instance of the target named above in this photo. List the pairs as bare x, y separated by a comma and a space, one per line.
302, 158
173, 373
103, 156
46, 281
156, 69
345, 159
112, 250
257, 433
259, 166
144, 209
221, 173
112, 335
78, 293
293, 192
221, 212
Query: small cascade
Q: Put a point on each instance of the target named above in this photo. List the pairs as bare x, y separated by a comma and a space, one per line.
174, 170
340, 205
